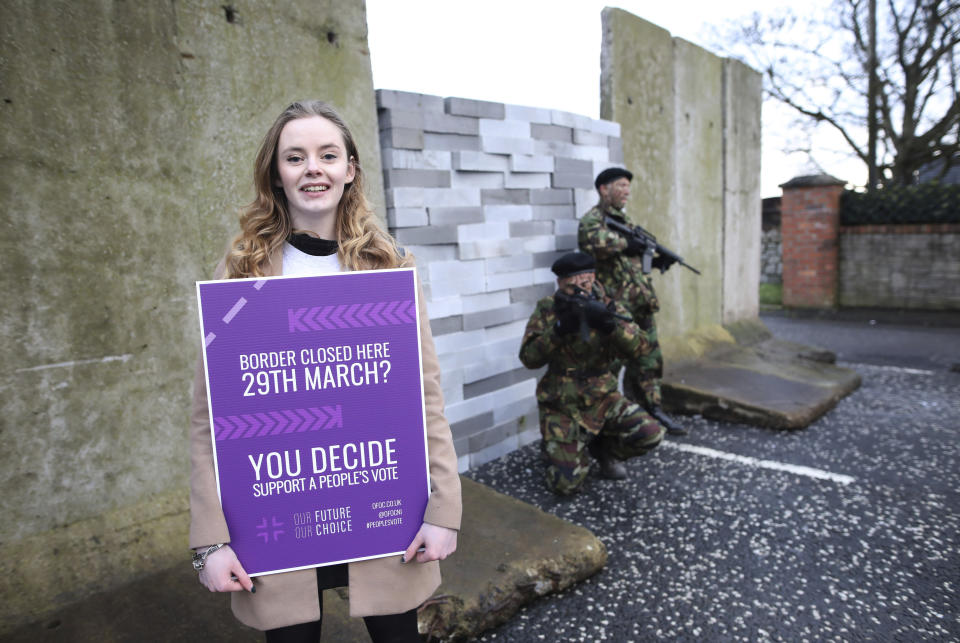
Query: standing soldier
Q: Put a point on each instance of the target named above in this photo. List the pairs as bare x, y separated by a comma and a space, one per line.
581, 335
620, 269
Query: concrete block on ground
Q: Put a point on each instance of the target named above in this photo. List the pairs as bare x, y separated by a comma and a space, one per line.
455, 215
476, 108
531, 163
402, 138
407, 217
392, 99
450, 142
505, 197
502, 145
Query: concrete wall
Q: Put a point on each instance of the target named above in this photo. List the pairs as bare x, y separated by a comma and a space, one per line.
691, 126
128, 134
900, 266
487, 196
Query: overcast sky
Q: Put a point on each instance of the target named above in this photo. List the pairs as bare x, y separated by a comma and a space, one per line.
546, 53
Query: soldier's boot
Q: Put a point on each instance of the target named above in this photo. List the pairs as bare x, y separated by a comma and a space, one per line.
610, 467
672, 427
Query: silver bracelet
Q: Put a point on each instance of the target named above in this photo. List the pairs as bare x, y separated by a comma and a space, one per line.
199, 560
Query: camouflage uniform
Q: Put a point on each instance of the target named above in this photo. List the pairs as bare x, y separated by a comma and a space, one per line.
623, 278
580, 407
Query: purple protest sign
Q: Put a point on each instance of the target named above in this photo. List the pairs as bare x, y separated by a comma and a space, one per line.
316, 407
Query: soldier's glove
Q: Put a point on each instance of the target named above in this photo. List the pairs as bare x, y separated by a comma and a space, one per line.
663, 262
635, 247
599, 317
568, 317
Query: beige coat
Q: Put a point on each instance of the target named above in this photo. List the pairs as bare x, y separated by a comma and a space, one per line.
378, 586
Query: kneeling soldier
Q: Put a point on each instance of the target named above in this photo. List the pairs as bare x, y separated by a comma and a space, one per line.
581, 335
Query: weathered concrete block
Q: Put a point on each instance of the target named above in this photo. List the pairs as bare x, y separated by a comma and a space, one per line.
531, 163
527, 180
478, 180
405, 198
508, 212
551, 196
500, 145
452, 385
504, 128
555, 148
392, 99
482, 403
494, 452
586, 137
440, 307
553, 212
615, 145
593, 153
539, 244
509, 336
439, 123
490, 248
407, 217
454, 343
477, 108
507, 280
571, 120
480, 161
532, 294
451, 142
402, 137
505, 197
565, 242
427, 254
416, 178
444, 325
472, 425
508, 264
607, 128
495, 382
531, 228
494, 317
492, 436
428, 235
492, 231
484, 301
416, 159
455, 215
545, 275
546, 259
516, 409
551, 133
584, 199
400, 118
451, 197
529, 114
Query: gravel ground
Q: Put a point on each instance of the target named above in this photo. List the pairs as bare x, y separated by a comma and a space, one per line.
704, 545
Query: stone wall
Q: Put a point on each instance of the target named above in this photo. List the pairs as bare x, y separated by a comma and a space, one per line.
487, 195
771, 256
128, 132
900, 266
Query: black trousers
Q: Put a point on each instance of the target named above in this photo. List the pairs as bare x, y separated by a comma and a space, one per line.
389, 628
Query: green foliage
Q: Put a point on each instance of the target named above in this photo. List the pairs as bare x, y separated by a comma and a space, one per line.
771, 294
924, 203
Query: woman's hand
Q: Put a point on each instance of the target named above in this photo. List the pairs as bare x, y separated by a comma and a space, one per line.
222, 572
437, 543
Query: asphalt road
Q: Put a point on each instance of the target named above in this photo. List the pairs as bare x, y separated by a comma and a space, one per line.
848, 530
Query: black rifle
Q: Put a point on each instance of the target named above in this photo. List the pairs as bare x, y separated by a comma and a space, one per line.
583, 304
650, 244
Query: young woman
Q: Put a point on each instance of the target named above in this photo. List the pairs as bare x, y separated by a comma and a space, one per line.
310, 217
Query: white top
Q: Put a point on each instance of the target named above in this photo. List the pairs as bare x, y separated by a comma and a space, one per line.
297, 263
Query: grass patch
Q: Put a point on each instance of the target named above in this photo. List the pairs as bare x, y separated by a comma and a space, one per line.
771, 294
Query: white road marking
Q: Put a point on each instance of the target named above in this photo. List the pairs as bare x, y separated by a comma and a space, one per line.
898, 369
80, 362
799, 470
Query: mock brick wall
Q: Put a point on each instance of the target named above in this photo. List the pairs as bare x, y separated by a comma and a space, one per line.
900, 266
487, 196
810, 221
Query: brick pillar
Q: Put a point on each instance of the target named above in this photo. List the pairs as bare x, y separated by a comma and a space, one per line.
810, 225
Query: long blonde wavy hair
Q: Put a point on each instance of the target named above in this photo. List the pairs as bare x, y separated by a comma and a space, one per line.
265, 223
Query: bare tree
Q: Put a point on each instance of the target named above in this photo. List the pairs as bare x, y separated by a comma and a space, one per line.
882, 76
